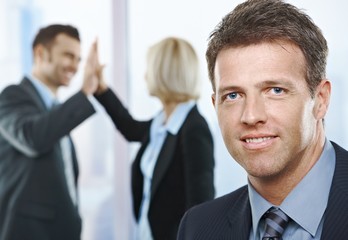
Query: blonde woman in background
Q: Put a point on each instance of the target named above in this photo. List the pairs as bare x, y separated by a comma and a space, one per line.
174, 167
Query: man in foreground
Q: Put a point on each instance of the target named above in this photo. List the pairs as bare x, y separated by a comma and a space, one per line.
267, 65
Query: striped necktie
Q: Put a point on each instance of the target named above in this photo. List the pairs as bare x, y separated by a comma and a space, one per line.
276, 221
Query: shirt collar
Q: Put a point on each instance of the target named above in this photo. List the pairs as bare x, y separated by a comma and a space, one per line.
44, 92
312, 193
175, 120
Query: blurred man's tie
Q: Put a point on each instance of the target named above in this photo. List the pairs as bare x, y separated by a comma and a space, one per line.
65, 145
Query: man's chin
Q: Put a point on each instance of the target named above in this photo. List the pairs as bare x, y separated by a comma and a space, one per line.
65, 83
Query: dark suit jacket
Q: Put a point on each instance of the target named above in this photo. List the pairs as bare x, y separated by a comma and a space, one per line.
34, 200
183, 174
229, 217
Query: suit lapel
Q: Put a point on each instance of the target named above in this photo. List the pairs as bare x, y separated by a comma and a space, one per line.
74, 160
138, 178
163, 161
240, 217
336, 224
28, 86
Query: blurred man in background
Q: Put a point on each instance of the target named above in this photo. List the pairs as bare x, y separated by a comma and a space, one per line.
38, 165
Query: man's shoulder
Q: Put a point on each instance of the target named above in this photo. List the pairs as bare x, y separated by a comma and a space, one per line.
17, 87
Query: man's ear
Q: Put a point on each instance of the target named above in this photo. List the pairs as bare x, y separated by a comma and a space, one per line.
322, 99
40, 52
213, 99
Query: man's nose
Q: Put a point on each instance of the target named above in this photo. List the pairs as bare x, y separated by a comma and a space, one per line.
254, 110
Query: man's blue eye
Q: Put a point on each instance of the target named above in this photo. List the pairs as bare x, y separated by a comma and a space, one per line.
278, 90
232, 95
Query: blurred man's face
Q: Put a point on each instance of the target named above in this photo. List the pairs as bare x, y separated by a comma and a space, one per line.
60, 62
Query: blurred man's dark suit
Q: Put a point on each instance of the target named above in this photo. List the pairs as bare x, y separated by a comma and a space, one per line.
34, 200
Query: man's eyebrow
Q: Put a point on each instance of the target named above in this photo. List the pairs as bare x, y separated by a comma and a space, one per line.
288, 84
229, 88
73, 55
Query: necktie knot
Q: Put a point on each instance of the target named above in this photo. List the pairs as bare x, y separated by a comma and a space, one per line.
275, 221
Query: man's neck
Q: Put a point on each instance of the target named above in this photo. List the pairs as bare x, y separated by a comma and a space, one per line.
44, 81
276, 188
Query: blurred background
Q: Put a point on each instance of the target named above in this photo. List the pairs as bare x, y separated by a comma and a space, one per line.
125, 29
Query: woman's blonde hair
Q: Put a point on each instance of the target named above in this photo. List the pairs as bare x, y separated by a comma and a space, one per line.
173, 70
